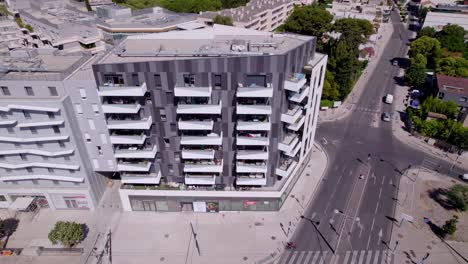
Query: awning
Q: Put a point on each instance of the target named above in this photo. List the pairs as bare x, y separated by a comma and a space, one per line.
21, 203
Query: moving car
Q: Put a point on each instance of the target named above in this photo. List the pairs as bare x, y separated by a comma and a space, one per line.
386, 117
395, 62
389, 99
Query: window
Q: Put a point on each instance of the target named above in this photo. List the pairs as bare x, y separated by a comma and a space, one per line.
171, 168
189, 79
79, 109
167, 142
135, 79
6, 91
83, 93
71, 171
95, 108
217, 81
99, 150
256, 80
23, 157
50, 170
173, 128
177, 156
51, 115
40, 145
2, 157
87, 137
157, 81
26, 114
29, 91
91, 124
33, 130
53, 91
113, 78
45, 158
103, 138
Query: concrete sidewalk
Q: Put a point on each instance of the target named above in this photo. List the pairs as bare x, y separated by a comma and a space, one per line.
152, 237
352, 99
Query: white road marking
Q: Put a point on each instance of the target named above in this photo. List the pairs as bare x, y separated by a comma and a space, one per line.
300, 257
346, 257
370, 236
285, 257
309, 255
369, 257
315, 257
355, 253
376, 257
384, 257
376, 208
324, 255
294, 255
361, 257
380, 192
313, 215
335, 259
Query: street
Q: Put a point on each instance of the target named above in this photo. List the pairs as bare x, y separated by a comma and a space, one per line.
353, 208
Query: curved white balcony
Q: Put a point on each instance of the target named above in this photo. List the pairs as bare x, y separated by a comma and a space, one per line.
29, 107
256, 92
32, 139
203, 166
136, 153
288, 143
252, 141
192, 91
150, 178
144, 123
292, 115
195, 125
295, 82
130, 139
7, 122
286, 169
121, 108
39, 165
242, 167
199, 108
211, 140
133, 166
300, 95
116, 90
259, 109
42, 123
294, 151
251, 155
36, 152
200, 180
253, 125
41, 177
198, 154
260, 181
297, 125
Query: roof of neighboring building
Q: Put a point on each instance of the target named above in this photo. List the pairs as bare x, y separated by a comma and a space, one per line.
216, 41
438, 20
452, 85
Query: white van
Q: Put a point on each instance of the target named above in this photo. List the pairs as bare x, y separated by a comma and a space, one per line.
389, 99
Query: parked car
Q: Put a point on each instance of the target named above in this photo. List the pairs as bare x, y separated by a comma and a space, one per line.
389, 99
386, 117
395, 62
464, 177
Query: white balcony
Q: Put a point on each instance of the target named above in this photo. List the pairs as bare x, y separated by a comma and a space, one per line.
295, 82
253, 125
39, 165
294, 151
41, 123
134, 166
243, 167
150, 178
195, 125
130, 139
198, 154
292, 115
144, 123
289, 143
37, 152
259, 181
199, 108
133, 152
117, 90
252, 141
256, 92
32, 139
200, 179
298, 124
7, 122
121, 108
286, 168
259, 109
204, 166
251, 155
212, 139
300, 95
191, 91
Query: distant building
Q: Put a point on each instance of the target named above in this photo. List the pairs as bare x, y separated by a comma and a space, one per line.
116, 22
265, 15
438, 20
454, 89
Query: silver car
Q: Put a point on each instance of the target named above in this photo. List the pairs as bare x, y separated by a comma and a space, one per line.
386, 117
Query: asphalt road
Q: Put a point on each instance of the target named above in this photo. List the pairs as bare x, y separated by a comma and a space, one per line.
355, 185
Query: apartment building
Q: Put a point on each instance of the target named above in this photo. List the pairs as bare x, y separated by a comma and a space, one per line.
219, 118
265, 15
42, 155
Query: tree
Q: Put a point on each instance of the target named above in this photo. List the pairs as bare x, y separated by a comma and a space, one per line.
431, 104
223, 20
458, 196
330, 87
308, 20
429, 48
416, 74
428, 32
354, 31
344, 63
419, 59
65, 233
452, 37
4, 10
226, 4
422, 13
450, 226
29, 28
452, 66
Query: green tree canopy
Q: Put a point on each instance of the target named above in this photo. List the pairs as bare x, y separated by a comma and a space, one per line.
354, 31
428, 32
452, 66
429, 48
432, 104
452, 37
345, 64
29, 28
458, 196
416, 74
4, 10
330, 87
223, 20
65, 233
450, 226
419, 59
308, 20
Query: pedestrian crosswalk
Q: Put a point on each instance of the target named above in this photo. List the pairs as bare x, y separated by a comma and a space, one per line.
348, 257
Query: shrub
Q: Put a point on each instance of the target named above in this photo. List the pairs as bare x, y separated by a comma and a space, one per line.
450, 226
66, 233
458, 196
